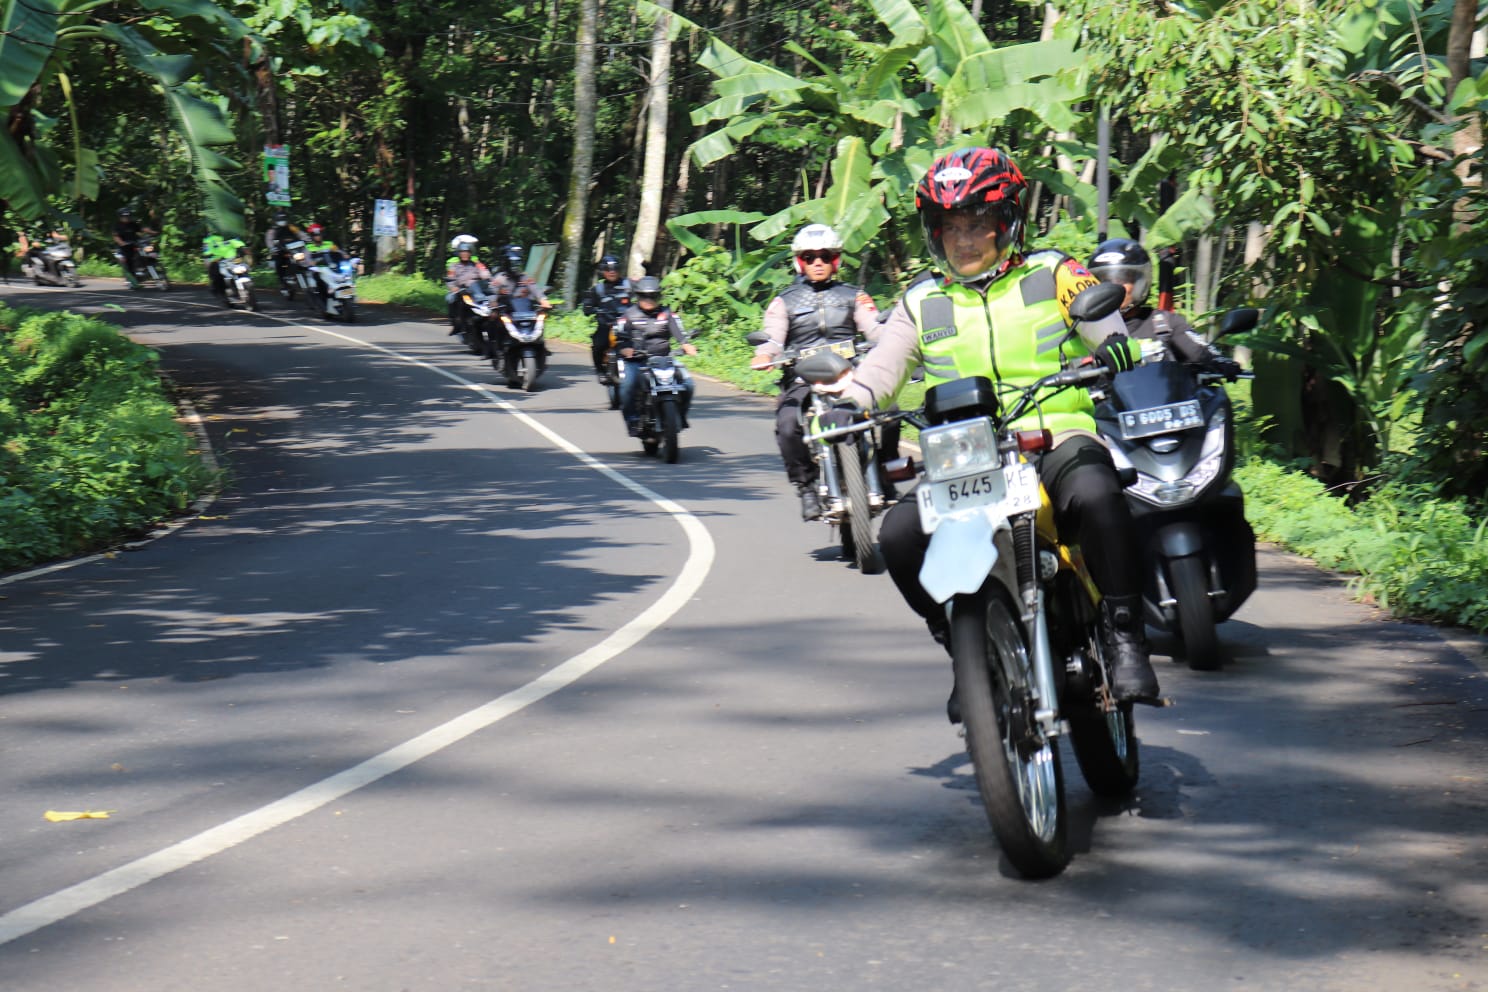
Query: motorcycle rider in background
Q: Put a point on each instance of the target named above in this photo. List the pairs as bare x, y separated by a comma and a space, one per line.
1126, 263
815, 309
994, 311
217, 250
604, 301
465, 272
280, 233
126, 232
647, 328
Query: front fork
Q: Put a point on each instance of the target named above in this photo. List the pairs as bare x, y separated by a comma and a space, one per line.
1032, 584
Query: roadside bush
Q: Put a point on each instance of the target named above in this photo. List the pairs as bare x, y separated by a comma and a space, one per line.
92, 453
1412, 553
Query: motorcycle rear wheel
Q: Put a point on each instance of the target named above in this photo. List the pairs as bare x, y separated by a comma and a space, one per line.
1189, 581
1017, 772
671, 423
859, 522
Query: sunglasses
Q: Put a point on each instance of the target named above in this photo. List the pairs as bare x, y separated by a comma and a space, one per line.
807, 257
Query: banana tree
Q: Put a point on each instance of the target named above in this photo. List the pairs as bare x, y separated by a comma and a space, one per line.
886, 122
39, 42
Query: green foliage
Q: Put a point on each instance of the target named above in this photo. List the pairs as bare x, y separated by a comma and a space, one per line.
1413, 553
92, 450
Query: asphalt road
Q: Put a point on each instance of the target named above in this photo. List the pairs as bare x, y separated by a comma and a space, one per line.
454, 688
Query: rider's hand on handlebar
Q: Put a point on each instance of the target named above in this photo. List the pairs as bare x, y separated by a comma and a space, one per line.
1227, 367
843, 414
689, 349
627, 352
761, 361
1115, 353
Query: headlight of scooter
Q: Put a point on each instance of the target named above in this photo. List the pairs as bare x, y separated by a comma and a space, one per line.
963, 448
1198, 479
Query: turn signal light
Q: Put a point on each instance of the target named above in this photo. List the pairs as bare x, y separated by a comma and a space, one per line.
1035, 440
900, 469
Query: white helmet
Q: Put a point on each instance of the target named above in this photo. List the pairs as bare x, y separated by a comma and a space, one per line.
815, 237
463, 242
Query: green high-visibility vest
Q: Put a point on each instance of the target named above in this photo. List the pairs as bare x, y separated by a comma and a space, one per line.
1015, 334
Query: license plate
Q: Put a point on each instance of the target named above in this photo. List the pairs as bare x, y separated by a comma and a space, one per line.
1009, 490
1161, 419
846, 349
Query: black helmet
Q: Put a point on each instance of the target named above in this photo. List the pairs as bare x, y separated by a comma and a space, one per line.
124, 212
609, 262
512, 254
647, 286
1124, 261
280, 218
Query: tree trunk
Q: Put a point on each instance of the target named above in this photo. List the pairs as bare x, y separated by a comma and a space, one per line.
653, 175
1467, 139
585, 104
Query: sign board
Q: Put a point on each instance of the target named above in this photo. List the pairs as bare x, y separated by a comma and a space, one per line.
276, 175
540, 259
385, 218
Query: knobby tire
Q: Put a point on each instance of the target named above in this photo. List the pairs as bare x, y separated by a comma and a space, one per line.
1022, 786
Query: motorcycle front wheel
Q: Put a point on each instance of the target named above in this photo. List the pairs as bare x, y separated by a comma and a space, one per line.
671, 423
1189, 581
161, 279
529, 372
859, 522
1017, 769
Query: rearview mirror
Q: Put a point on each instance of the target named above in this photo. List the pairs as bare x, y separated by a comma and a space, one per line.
1238, 321
1095, 302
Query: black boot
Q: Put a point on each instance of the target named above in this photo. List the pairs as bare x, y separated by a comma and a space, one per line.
940, 630
1129, 668
811, 508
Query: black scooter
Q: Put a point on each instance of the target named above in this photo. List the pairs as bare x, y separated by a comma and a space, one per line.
1171, 433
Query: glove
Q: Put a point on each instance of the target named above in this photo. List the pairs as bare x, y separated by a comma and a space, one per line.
841, 415
1227, 367
1115, 353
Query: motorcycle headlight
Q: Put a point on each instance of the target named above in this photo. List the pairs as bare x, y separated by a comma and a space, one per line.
1198, 479
664, 375
963, 448
239, 269
346, 268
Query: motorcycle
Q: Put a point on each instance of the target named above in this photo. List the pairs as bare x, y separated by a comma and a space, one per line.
850, 483
333, 293
292, 266
1170, 429
472, 321
147, 267
661, 404
51, 264
1025, 640
237, 282
521, 354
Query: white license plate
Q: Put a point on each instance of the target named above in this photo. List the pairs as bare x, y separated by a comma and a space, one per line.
1009, 490
1161, 419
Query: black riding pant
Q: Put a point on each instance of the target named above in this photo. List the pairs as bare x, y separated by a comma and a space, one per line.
1089, 509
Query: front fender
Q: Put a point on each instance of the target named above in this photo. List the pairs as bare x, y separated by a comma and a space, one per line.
962, 553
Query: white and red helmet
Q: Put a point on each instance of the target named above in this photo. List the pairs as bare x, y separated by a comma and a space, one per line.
816, 238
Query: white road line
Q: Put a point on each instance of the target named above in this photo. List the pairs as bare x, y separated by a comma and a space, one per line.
84, 895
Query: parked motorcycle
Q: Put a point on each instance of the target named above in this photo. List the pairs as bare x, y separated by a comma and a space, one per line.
51, 264
1026, 648
660, 404
521, 354
1170, 426
148, 271
849, 479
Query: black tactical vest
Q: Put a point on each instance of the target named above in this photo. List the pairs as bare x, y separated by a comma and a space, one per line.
819, 315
